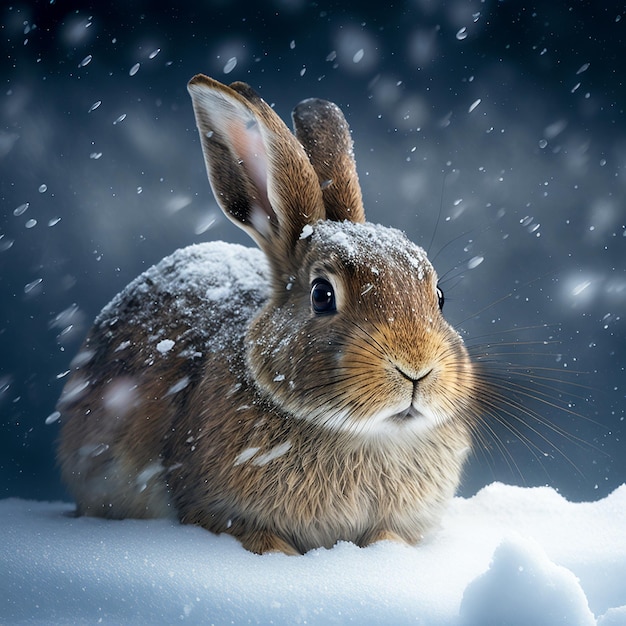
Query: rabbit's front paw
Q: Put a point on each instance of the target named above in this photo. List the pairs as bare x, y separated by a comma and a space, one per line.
264, 541
383, 535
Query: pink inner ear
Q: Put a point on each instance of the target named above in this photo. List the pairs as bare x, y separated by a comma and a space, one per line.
247, 142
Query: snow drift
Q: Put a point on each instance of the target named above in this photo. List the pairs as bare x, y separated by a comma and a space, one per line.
508, 555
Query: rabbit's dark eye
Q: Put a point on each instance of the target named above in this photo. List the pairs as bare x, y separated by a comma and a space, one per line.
440, 297
322, 296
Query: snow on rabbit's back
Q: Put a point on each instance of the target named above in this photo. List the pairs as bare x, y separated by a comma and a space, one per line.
296, 396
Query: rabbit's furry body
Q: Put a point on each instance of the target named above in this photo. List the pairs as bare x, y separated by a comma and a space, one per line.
217, 389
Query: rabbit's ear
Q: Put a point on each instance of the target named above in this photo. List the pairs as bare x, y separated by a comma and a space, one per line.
260, 175
323, 131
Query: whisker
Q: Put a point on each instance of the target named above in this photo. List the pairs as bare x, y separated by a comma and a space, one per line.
518, 330
506, 296
508, 385
432, 238
502, 448
504, 406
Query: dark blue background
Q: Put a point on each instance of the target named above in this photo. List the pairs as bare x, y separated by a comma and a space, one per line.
532, 179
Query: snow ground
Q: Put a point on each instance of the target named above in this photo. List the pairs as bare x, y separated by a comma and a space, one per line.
509, 555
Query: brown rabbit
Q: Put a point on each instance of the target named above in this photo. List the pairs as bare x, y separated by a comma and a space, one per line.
295, 397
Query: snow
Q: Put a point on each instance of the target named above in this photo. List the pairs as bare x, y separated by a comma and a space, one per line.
178, 386
508, 555
202, 283
520, 571
274, 453
165, 345
371, 242
307, 231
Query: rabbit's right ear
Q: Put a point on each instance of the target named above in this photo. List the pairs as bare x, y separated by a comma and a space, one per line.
324, 132
260, 174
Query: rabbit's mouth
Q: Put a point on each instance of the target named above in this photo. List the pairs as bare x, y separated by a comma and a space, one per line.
409, 413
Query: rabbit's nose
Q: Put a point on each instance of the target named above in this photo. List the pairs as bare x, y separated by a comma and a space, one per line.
413, 376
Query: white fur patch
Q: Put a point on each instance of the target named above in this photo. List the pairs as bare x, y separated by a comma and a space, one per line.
382, 423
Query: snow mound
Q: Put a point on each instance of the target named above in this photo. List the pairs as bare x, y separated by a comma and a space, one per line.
506, 556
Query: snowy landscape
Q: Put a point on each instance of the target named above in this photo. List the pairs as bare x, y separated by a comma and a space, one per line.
492, 132
508, 556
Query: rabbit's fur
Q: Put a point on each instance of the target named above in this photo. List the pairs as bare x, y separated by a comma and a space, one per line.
215, 389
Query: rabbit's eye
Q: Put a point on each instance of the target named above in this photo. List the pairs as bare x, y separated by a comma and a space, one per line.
440, 297
322, 296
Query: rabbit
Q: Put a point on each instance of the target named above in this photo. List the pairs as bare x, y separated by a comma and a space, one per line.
295, 395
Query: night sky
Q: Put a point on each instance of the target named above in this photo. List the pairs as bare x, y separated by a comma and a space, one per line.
493, 133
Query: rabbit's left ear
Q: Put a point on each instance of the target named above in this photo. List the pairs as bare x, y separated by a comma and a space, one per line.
260, 174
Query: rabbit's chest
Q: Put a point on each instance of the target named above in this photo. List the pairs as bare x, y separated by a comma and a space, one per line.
322, 498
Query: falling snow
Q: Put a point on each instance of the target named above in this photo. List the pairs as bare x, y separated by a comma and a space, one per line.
494, 141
